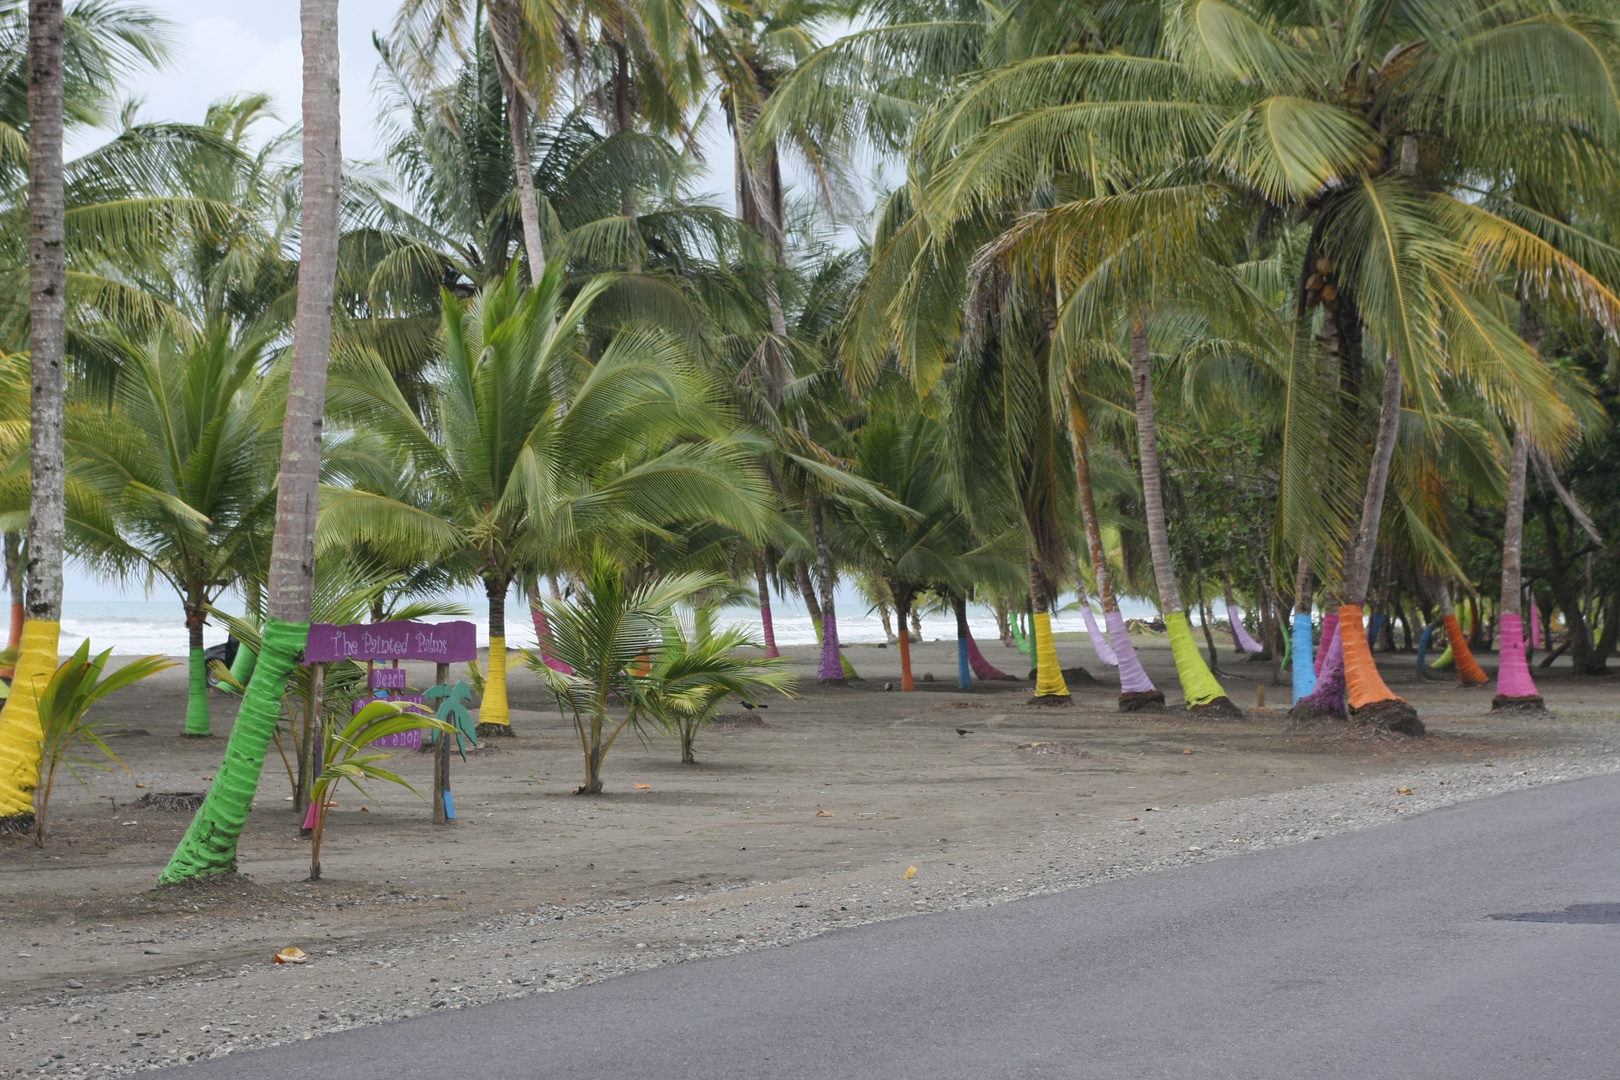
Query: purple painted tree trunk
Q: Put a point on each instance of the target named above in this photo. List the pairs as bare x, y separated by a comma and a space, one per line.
1328, 699
1133, 678
1245, 642
1099, 642
1330, 630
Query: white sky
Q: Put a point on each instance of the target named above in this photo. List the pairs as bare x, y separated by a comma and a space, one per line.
253, 45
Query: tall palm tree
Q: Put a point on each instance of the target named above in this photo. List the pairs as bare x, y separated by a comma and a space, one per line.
1203, 693
181, 458
74, 62
527, 39
209, 845
47, 507
641, 446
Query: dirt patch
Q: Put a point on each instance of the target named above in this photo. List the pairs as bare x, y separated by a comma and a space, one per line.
1057, 749
169, 800
736, 721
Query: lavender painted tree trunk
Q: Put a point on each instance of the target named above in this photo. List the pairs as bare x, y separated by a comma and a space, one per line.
1099, 641
1240, 634
1136, 691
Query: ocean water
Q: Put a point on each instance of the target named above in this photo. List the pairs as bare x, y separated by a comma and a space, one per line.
133, 624
141, 627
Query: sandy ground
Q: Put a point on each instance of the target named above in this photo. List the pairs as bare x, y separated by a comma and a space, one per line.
799, 819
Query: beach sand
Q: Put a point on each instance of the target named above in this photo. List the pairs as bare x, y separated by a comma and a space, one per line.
798, 819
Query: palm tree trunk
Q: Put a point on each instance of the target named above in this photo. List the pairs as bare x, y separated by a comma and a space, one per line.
542, 629
1198, 686
20, 730
13, 546
981, 667
902, 608
1240, 634
1303, 663
621, 119
209, 846
494, 716
1136, 691
197, 697
1050, 687
1369, 700
831, 668
964, 664
1514, 687
517, 111
1469, 673
765, 620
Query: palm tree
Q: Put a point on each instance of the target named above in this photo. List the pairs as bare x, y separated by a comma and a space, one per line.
613, 637
209, 846
913, 546
527, 40
47, 507
642, 446
697, 668
182, 458
1203, 693
1136, 690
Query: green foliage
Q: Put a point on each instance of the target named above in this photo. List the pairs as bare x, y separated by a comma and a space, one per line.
611, 635
696, 669
77, 686
346, 755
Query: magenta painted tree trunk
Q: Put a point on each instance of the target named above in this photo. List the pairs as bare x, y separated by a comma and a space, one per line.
983, 668
765, 605
1330, 630
542, 632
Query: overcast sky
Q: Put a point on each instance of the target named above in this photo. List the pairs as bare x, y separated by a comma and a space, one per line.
252, 45
239, 46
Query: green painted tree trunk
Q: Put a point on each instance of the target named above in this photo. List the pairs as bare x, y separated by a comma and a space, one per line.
209, 846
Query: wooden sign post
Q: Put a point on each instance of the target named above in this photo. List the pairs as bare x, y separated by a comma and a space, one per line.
441, 761
443, 643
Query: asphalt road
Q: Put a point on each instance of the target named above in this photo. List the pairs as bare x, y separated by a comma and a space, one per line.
1374, 954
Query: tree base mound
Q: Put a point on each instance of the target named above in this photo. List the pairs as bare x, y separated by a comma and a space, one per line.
17, 824
833, 682
1071, 675
1392, 715
1061, 701
496, 731
185, 801
1222, 708
1148, 701
1531, 703
1306, 712
193, 735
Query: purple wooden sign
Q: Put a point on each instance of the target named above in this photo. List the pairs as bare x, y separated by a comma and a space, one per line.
444, 643
408, 740
388, 678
